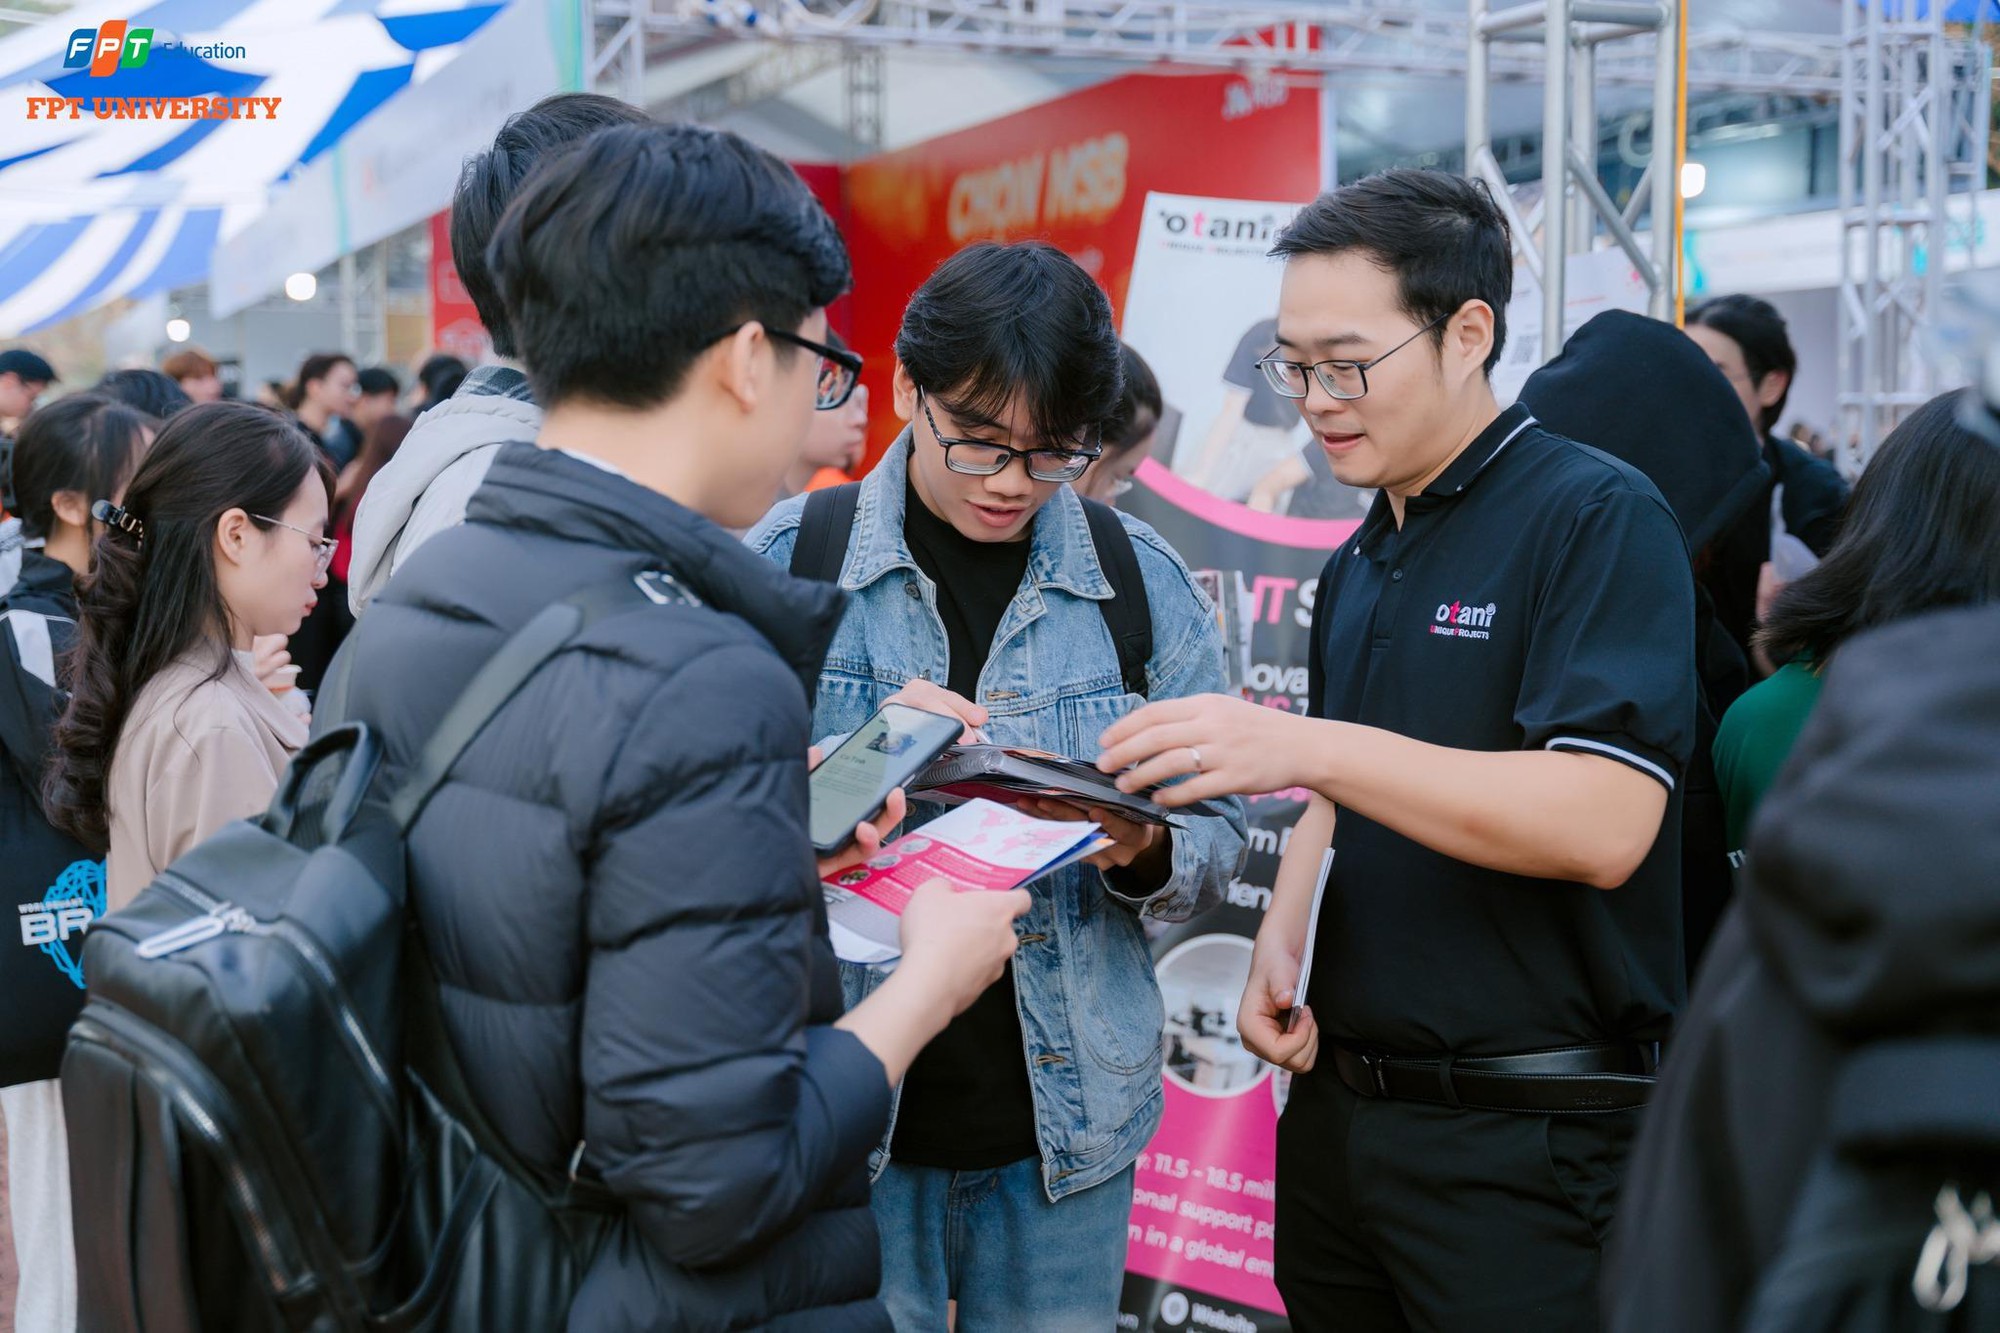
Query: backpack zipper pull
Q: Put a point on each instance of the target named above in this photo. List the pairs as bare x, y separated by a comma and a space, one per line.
226, 919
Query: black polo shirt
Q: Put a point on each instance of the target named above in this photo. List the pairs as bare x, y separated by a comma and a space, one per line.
1538, 596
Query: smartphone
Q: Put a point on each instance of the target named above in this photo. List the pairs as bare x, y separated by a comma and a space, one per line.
852, 784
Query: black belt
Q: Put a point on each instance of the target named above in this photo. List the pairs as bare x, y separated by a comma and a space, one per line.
1613, 1076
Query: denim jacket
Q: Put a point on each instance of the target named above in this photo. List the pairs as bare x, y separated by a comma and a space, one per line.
1091, 1016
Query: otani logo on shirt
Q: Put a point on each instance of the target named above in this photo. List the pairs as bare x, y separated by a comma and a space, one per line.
1456, 620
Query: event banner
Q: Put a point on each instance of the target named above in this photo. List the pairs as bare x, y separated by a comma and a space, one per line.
1239, 488
1075, 172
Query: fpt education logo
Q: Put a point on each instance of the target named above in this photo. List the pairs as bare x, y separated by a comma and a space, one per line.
140, 64
113, 46
109, 47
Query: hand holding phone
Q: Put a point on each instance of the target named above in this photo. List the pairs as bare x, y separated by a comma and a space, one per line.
851, 786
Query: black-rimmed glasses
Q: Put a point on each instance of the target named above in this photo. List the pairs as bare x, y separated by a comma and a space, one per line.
1345, 380
983, 458
323, 547
839, 371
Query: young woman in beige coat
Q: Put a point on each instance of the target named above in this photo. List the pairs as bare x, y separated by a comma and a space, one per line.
169, 733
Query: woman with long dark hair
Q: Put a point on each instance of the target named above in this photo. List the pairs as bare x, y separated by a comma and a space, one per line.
1922, 533
169, 734
72, 452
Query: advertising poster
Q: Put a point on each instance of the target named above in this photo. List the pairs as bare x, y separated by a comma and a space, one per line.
1076, 172
1233, 485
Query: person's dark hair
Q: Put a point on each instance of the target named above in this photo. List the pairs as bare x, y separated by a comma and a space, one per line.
151, 597
441, 374
378, 446
156, 393
624, 260
997, 320
1139, 407
1442, 235
490, 180
1918, 536
87, 443
1755, 326
315, 367
377, 379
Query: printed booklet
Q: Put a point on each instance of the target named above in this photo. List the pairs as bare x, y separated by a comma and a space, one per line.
1009, 775
978, 845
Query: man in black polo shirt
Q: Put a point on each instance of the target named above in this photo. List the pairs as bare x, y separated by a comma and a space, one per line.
1504, 694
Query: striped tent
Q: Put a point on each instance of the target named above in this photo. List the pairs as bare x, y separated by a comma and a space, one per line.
93, 209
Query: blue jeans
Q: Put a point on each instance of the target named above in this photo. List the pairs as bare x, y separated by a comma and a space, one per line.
993, 1242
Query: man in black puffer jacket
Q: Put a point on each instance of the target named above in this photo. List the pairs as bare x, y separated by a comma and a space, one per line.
616, 884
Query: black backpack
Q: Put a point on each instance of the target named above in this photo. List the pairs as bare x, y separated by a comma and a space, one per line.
820, 550
1893, 1229
269, 1129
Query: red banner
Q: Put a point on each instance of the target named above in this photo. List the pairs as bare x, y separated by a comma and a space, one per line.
455, 326
1075, 172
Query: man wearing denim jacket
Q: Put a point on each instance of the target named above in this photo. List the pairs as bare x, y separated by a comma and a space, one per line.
1005, 1183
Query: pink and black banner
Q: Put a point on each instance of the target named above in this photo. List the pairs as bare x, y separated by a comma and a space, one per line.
1237, 486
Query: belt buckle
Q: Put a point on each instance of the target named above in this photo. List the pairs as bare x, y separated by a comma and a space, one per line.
1372, 1062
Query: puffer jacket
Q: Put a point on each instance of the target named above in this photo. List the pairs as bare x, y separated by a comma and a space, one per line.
620, 898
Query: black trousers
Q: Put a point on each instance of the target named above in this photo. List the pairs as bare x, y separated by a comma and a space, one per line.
1397, 1215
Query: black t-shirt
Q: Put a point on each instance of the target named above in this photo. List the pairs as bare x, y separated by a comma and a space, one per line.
1538, 596
966, 1104
1267, 407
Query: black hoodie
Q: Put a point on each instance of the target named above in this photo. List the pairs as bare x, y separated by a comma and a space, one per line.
1643, 392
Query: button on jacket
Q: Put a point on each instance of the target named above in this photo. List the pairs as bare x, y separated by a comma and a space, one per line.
1090, 1008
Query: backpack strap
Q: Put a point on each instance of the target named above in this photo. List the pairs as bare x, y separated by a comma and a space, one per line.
1127, 614
504, 673
820, 549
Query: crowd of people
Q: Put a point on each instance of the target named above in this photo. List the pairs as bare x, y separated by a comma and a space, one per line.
1553, 678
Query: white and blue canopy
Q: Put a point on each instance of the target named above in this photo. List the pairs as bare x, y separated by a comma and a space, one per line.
92, 209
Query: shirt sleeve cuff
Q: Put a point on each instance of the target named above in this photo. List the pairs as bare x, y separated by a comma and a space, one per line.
1661, 768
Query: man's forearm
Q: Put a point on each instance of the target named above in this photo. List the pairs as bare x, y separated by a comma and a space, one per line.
1541, 813
1289, 918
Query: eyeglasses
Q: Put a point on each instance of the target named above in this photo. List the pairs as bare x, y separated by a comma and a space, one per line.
982, 458
1345, 380
839, 371
323, 546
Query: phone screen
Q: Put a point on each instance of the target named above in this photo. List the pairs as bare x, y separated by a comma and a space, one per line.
853, 782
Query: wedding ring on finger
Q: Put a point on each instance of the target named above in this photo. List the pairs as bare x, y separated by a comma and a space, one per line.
1195, 755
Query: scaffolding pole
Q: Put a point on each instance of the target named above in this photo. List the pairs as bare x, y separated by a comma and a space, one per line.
1576, 213
1912, 104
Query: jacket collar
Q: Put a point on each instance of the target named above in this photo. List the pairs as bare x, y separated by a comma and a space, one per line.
549, 492
1061, 553
43, 578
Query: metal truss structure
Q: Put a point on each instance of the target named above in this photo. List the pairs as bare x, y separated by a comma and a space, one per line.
1575, 39
1325, 36
1915, 107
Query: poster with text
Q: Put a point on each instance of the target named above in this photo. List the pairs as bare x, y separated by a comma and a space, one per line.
1241, 490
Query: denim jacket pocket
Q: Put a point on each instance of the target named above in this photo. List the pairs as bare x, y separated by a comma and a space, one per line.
1121, 1017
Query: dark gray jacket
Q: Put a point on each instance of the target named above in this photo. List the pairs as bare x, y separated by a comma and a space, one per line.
618, 892
1853, 994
